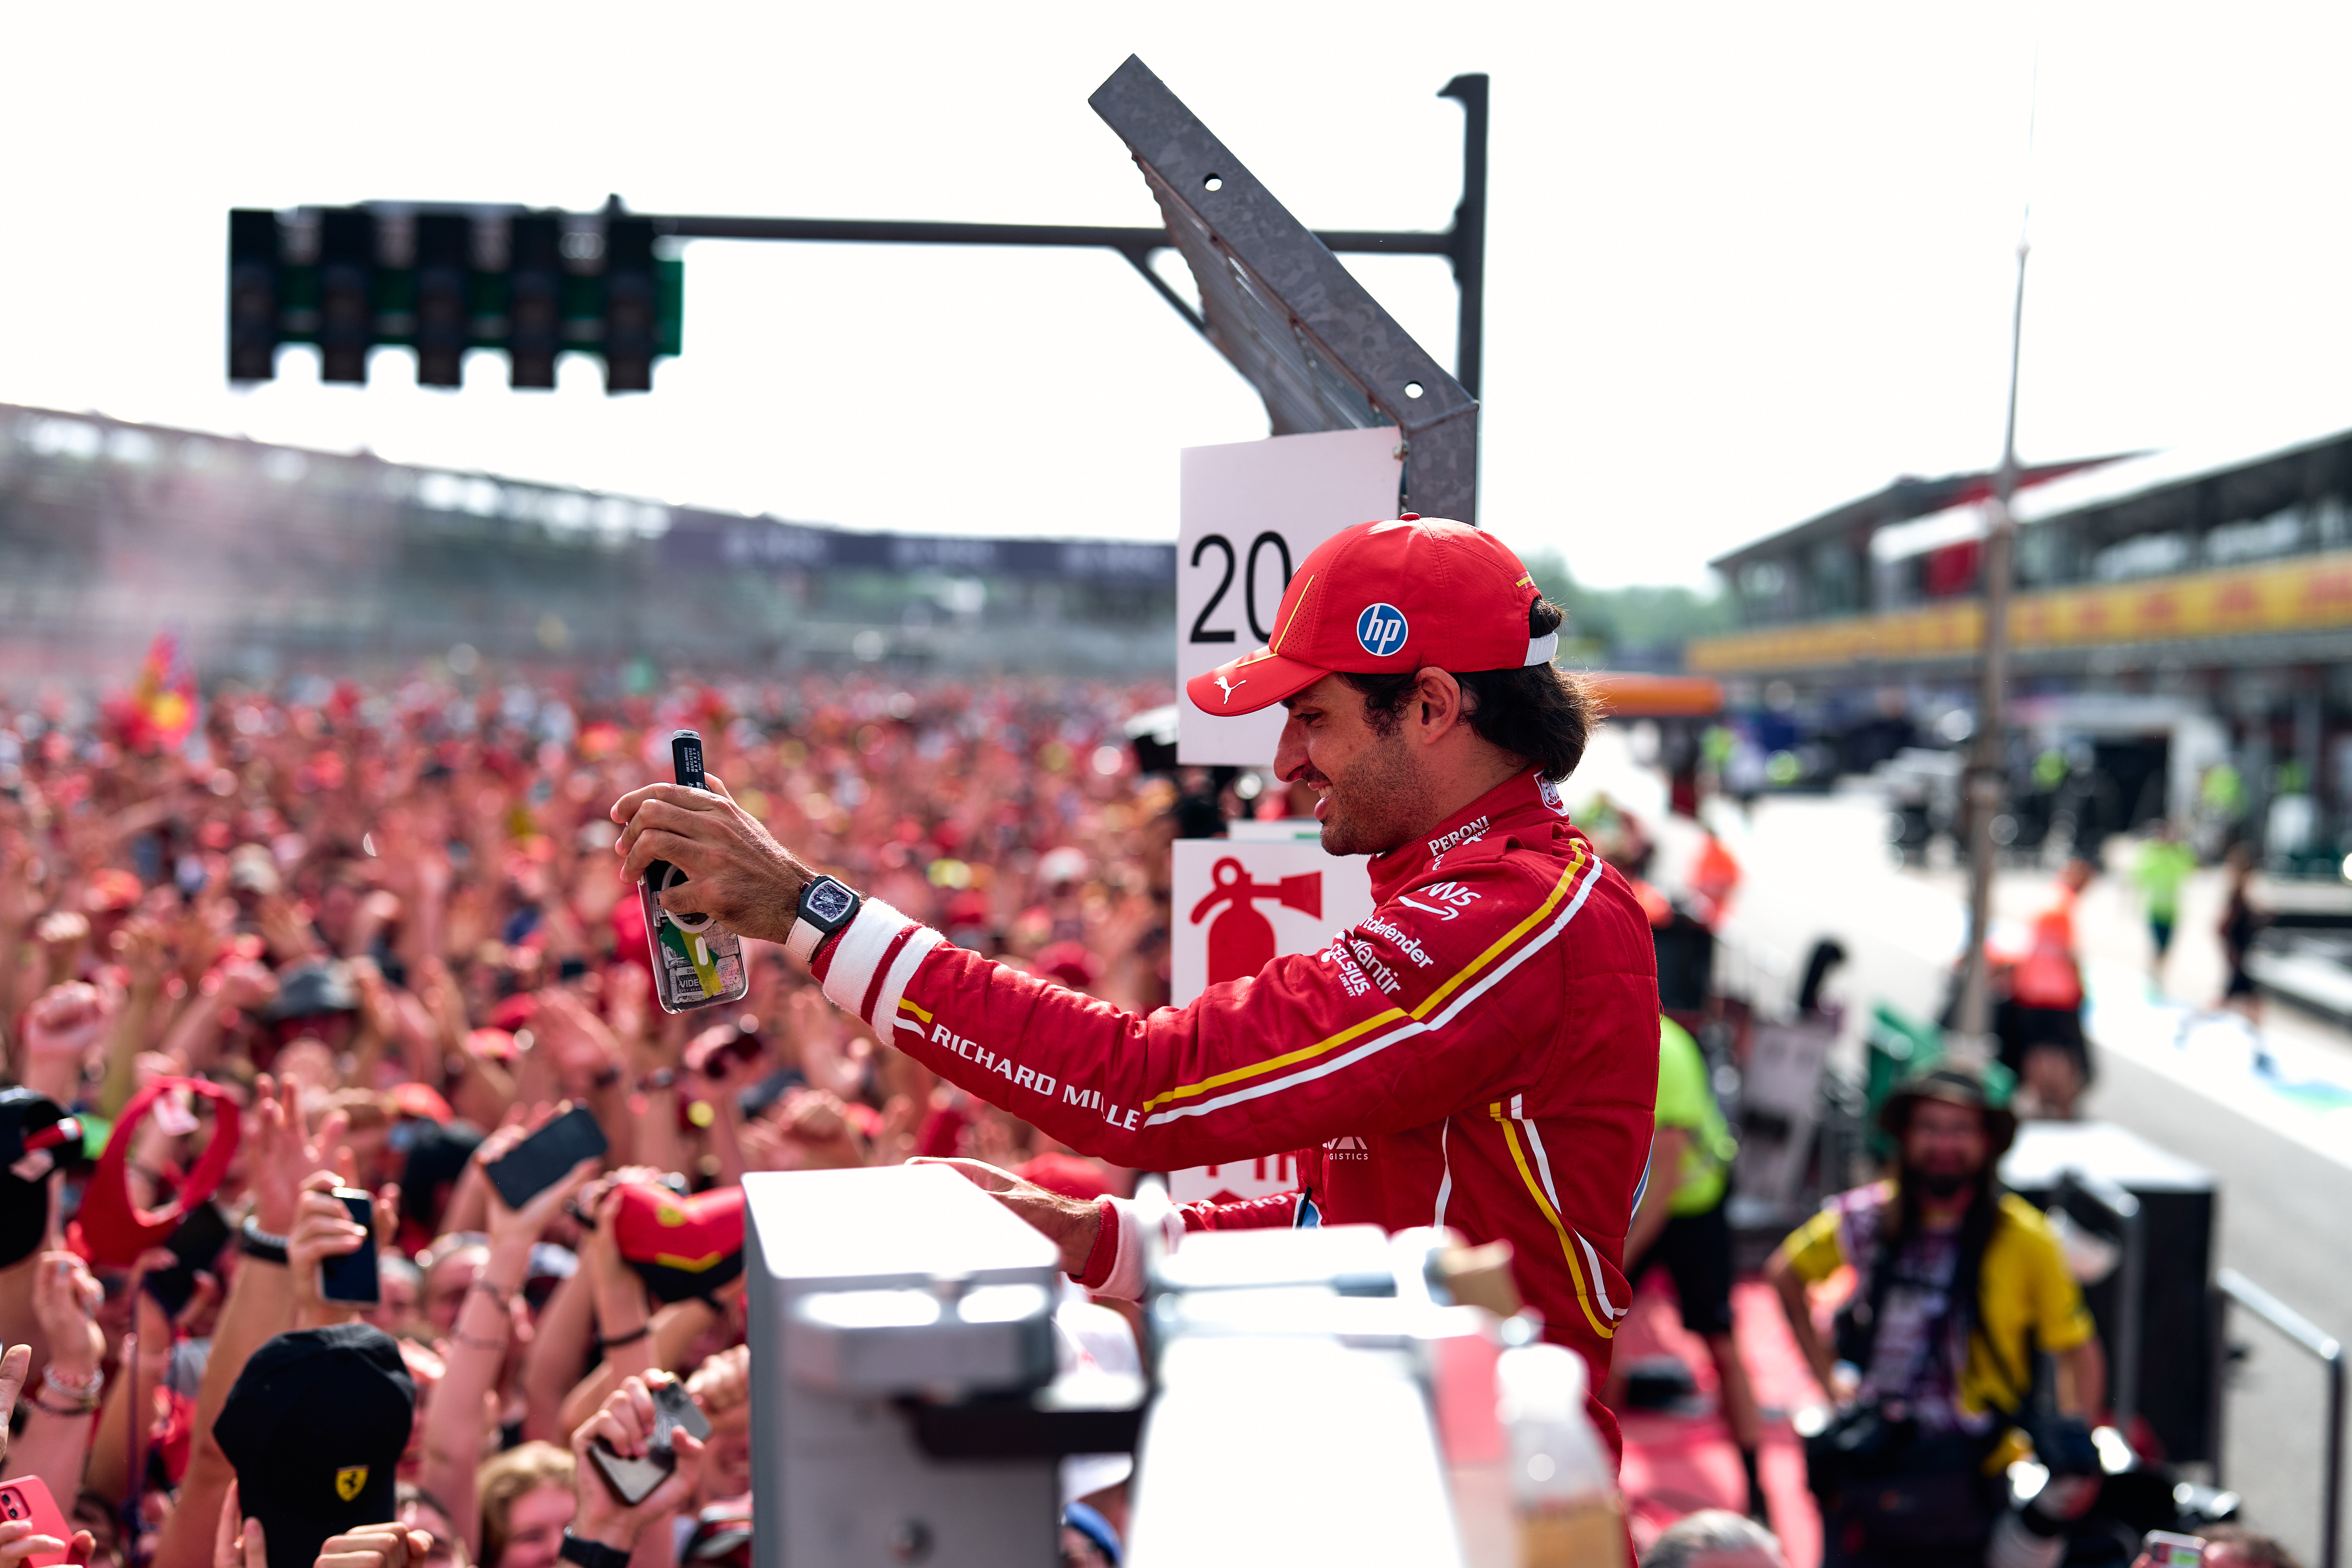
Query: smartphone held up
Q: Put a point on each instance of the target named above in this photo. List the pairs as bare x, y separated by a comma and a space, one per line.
546, 1157
351, 1279
29, 1499
634, 1481
695, 961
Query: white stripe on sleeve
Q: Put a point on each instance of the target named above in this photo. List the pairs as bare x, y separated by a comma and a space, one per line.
902, 970
858, 951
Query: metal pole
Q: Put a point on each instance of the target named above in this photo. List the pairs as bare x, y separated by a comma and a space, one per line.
895, 231
2235, 1287
1989, 767
1469, 236
2332, 1495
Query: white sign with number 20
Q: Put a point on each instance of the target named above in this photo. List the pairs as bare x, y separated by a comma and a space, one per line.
1251, 512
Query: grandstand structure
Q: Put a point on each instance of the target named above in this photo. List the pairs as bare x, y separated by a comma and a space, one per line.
264, 558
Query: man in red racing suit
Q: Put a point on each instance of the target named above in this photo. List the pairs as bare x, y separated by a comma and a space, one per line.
1459, 1058
1481, 1053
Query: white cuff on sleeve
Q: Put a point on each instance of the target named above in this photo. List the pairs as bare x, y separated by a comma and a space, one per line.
1126, 1269
859, 951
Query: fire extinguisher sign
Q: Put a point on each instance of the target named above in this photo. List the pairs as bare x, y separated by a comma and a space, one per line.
1238, 904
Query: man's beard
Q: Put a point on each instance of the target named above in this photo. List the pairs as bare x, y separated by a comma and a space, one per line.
1941, 1183
1373, 806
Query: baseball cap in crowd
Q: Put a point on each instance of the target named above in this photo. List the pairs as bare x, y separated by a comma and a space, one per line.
421, 1101
111, 891
550, 1265
1067, 962
497, 1044
24, 1204
1986, 1089
251, 869
1387, 598
315, 1424
683, 1246
308, 990
438, 1155
721, 1534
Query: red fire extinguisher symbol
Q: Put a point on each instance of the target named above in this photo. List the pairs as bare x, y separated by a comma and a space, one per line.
1241, 942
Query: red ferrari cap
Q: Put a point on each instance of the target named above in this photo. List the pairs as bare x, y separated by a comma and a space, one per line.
682, 1246
1387, 598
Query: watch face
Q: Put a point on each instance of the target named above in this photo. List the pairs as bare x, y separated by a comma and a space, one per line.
827, 902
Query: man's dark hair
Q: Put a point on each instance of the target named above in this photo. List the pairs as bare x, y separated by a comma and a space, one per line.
1537, 711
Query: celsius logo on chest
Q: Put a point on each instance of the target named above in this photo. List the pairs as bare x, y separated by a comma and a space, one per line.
1381, 629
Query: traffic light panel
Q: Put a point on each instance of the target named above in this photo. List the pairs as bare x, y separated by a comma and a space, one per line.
443, 279
444, 311
534, 300
253, 295
347, 315
628, 305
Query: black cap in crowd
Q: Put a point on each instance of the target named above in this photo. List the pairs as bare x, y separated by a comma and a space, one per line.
24, 1204
315, 1425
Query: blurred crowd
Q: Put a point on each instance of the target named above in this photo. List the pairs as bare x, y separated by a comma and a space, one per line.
268, 949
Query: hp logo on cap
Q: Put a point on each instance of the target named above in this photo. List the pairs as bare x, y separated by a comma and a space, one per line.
1381, 629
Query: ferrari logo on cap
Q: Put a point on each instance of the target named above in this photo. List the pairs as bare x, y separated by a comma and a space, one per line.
349, 1480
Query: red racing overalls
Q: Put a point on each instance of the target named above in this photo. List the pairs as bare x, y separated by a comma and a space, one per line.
1481, 1053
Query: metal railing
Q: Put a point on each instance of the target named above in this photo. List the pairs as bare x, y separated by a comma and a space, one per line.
2123, 1392
2235, 1289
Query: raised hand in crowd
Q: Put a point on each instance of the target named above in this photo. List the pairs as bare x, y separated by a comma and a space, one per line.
625, 1426
69, 1386
323, 1230
21, 1539
60, 1027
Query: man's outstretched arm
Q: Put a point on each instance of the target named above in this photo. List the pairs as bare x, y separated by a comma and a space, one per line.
1410, 1010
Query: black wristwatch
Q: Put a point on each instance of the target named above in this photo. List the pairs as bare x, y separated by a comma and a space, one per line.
256, 1242
591, 1554
826, 906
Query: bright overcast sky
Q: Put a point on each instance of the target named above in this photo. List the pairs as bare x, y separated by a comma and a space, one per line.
1744, 261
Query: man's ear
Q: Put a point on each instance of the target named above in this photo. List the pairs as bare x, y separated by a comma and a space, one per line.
1438, 703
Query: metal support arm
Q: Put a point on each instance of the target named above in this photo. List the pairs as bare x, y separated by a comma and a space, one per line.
1464, 245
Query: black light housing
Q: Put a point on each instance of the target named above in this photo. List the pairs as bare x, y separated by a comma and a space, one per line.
444, 268
346, 293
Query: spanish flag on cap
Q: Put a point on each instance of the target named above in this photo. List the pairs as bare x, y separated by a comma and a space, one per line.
683, 1246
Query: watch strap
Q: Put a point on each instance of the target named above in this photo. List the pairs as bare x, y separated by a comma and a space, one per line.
802, 942
256, 1242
